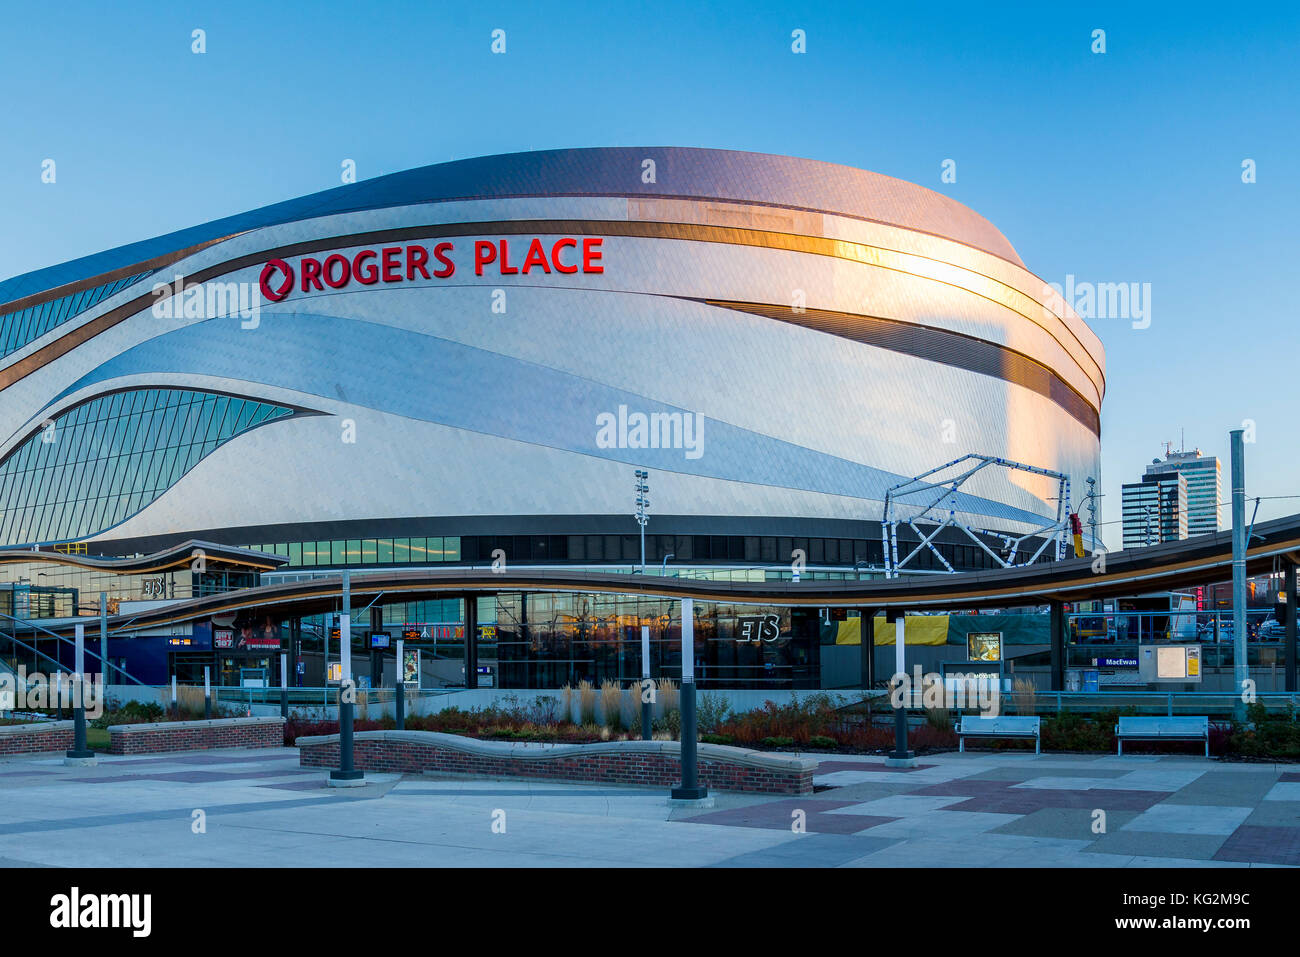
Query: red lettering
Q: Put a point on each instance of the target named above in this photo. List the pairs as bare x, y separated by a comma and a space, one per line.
366, 275
591, 255
392, 263
440, 253
536, 257
416, 257
311, 274
484, 252
343, 277
506, 268
555, 255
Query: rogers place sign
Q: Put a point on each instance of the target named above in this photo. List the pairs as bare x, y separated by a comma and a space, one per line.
415, 261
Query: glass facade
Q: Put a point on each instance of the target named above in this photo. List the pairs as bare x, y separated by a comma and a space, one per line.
548, 640
26, 325
736, 550
104, 460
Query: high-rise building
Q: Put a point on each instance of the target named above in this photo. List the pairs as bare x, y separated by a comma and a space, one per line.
1155, 509
1204, 486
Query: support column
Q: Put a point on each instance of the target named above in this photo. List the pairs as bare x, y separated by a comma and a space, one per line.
867, 647
103, 639
1056, 627
399, 693
471, 641
295, 649
376, 654
1289, 571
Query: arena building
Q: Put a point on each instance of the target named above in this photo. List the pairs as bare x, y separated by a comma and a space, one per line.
470, 361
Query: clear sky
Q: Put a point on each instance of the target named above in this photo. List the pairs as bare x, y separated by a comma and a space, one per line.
1122, 166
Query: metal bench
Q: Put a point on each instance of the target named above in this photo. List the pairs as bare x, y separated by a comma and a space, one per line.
1186, 728
1003, 726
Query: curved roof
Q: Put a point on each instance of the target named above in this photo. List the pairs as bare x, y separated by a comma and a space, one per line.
176, 555
680, 173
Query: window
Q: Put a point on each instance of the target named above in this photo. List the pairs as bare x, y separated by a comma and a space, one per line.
108, 458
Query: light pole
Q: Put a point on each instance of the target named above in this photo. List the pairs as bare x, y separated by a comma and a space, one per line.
79, 754
346, 775
1239, 544
691, 789
642, 507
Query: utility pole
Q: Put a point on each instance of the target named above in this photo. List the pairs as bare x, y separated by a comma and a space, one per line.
642, 508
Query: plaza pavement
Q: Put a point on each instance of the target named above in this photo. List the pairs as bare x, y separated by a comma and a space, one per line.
953, 810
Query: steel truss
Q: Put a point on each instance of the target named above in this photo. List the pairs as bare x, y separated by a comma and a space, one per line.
933, 493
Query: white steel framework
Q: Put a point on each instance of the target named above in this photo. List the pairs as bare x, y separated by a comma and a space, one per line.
925, 496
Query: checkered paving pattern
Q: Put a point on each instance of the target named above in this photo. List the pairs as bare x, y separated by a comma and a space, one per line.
999, 809
1072, 811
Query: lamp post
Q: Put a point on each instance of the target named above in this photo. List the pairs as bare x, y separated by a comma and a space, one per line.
646, 715
642, 507
690, 790
346, 775
79, 754
902, 757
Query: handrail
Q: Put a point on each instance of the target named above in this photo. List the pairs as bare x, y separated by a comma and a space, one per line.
107, 666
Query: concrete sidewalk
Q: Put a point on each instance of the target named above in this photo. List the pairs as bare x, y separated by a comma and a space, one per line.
258, 808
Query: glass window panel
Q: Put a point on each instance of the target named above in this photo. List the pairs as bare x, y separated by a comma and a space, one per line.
369, 550
385, 553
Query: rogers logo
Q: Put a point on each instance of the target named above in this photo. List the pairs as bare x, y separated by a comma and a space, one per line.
268, 271
408, 263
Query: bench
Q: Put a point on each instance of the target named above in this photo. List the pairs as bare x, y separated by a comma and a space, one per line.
1163, 729
1003, 726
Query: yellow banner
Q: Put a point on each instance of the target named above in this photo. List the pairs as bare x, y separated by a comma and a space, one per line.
919, 630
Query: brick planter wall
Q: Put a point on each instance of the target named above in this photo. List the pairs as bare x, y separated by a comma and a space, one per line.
31, 738
164, 736
646, 763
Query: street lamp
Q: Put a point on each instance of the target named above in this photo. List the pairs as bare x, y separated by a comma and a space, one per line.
642, 508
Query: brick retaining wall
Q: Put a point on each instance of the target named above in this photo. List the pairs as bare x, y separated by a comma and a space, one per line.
163, 736
646, 763
31, 738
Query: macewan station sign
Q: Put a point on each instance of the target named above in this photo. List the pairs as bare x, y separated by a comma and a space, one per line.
407, 263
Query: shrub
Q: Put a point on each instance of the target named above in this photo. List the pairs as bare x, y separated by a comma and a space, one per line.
586, 702
939, 718
778, 742
717, 739
611, 703
823, 742
1025, 695
713, 711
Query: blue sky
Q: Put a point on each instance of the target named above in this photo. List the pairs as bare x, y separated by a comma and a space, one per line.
1115, 167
